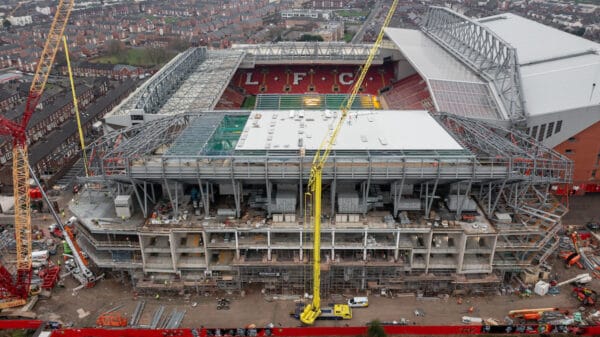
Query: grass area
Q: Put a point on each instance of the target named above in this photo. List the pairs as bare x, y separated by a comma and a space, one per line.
170, 20
348, 37
348, 13
249, 102
134, 57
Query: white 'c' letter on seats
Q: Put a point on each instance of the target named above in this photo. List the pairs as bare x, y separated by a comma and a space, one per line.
343, 76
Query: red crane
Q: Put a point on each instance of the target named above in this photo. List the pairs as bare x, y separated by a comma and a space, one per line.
15, 292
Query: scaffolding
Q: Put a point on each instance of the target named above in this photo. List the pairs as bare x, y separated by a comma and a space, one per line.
227, 234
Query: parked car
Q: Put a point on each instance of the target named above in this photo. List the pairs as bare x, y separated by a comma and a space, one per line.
593, 226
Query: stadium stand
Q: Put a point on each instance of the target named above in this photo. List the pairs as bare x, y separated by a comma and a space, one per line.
231, 99
301, 79
409, 93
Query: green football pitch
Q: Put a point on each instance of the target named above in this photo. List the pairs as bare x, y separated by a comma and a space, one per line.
313, 101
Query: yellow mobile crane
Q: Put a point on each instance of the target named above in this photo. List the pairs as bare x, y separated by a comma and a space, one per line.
313, 310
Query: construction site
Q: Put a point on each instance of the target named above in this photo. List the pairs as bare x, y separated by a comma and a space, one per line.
296, 171
215, 200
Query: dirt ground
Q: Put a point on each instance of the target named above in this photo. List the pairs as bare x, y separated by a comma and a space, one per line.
253, 308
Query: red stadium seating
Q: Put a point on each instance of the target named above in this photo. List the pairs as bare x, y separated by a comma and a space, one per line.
231, 99
409, 93
322, 79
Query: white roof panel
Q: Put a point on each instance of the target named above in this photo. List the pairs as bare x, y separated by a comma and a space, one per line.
533, 40
561, 85
556, 72
363, 130
430, 60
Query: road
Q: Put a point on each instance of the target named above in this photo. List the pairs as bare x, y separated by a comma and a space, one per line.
361, 32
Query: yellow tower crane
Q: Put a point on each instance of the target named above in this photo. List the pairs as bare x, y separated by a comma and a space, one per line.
313, 310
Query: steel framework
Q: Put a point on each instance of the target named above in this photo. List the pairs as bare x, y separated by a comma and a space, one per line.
301, 52
483, 51
194, 80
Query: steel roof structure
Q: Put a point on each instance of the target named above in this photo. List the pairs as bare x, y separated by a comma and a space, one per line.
559, 70
193, 81
490, 69
302, 52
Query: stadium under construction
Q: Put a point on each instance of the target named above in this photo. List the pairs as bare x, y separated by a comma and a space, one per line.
188, 194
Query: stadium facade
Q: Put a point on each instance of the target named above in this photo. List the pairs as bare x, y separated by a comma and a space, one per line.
433, 185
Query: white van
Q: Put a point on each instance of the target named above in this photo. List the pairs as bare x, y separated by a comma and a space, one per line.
39, 256
358, 302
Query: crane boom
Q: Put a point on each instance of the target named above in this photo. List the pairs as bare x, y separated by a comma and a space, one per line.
313, 310
76, 106
15, 293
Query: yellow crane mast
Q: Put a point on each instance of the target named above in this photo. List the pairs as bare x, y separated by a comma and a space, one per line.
341, 311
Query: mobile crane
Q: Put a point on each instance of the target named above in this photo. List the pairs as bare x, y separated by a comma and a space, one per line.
313, 310
15, 292
79, 265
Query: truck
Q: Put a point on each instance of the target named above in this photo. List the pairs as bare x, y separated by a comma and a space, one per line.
331, 312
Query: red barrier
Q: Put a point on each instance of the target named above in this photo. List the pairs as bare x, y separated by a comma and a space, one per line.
426, 330
20, 324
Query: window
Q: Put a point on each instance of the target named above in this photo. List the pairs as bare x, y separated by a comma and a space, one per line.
572, 139
542, 131
137, 117
569, 151
558, 127
594, 174
534, 132
528, 130
550, 130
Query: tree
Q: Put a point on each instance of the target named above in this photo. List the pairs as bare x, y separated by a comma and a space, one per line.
375, 329
114, 47
308, 37
6, 24
178, 45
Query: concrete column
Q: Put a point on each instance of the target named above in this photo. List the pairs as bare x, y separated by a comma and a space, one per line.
269, 245
333, 191
141, 241
333, 245
204, 241
237, 246
397, 250
494, 243
269, 189
461, 252
172, 245
427, 257
301, 193
365, 245
301, 246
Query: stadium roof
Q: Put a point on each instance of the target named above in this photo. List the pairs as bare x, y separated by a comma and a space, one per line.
454, 87
430, 60
559, 70
364, 130
532, 39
